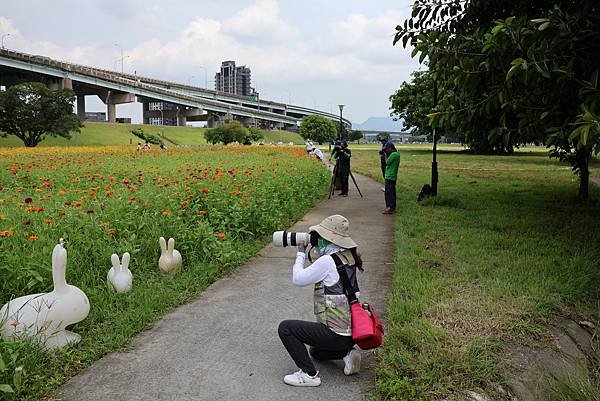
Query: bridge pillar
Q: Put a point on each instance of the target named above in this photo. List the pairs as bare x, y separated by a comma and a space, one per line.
111, 112
66, 83
81, 107
181, 117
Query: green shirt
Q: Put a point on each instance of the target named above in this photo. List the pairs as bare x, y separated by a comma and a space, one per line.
391, 166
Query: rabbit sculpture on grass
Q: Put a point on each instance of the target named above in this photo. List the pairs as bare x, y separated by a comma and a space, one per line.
170, 259
119, 276
43, 317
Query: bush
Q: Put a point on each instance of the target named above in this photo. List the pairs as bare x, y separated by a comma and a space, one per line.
227, 133
150, 138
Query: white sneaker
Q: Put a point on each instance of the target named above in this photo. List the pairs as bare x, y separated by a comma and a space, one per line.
352, 362
382, 189
300, 378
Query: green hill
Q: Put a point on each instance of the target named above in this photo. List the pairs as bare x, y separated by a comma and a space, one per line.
97, 134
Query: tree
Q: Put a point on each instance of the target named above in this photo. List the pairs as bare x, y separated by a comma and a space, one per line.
31, 111
520, 72
227, 133
317, 128
355, 135
254, 134
413, 101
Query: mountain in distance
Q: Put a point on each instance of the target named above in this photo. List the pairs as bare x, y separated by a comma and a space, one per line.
386, 124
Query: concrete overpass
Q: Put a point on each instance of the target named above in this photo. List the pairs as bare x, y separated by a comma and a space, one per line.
189, 103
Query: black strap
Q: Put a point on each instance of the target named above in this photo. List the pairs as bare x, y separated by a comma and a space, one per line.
341, 268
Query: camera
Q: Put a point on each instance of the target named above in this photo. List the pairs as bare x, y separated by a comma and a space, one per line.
285, 238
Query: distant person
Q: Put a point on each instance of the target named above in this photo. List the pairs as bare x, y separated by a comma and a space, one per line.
318, 154
309, 147
163, 147
138, 148
146, 146
392, 162
343, 166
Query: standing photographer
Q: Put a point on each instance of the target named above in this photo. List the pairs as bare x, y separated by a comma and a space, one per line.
330, 337
343, 166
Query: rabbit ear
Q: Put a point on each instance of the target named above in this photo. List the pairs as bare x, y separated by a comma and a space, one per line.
125, 262
59, 256
171, 244
163, 244
114, 258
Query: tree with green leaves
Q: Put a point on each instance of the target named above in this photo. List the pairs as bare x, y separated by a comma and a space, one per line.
355, 135
413, 102
318, 129
254, 134
31, 111
510, 74
226, 133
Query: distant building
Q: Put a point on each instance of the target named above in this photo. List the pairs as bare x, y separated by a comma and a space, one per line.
232, 79
166, 113
95, 116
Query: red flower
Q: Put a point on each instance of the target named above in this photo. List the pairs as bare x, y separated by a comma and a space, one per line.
28, 200
33, 238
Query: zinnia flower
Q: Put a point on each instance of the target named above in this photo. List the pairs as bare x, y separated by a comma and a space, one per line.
166, 212
220, 235
33, 238
6, 233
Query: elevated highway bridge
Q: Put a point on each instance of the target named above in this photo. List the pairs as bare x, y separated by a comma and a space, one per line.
187, 103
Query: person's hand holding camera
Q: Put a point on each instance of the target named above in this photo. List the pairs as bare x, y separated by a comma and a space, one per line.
301, 247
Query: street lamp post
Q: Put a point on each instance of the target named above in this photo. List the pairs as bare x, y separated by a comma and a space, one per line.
121, 47
342, 131
4, 36
434, 169
205, 80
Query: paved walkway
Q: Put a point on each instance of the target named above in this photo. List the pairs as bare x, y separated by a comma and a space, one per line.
224, 346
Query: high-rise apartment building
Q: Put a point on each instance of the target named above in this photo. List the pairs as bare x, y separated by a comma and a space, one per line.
232, 79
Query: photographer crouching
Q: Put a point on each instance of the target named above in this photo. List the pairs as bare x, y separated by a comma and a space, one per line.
330, 337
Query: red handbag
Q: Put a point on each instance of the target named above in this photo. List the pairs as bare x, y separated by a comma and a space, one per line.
367, 329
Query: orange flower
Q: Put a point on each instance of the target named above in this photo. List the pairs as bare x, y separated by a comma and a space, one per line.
108, 194
203, 212
204, 190
6, 233
33, 238
220, 235
126, 182
112, 232
61, 192
103, 224
185, 204
166, 212
48, 221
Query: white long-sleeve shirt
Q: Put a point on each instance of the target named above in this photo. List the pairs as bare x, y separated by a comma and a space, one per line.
323, 269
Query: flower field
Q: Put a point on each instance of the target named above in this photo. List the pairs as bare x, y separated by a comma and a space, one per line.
220, 204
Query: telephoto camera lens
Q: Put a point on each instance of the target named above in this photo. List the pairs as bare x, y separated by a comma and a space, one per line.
285, 238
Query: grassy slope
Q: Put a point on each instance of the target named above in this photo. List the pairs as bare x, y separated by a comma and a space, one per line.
93, 134
504, 247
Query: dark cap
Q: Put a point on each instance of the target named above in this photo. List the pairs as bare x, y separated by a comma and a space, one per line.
388, 145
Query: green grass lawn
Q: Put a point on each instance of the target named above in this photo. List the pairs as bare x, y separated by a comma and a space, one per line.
502, 250
100, 134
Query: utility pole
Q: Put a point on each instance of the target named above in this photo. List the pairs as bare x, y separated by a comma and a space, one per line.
342, 131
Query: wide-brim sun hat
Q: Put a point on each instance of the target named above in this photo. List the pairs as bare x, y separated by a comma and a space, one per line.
335, 229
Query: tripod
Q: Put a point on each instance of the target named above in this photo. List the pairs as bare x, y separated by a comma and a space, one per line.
335, 171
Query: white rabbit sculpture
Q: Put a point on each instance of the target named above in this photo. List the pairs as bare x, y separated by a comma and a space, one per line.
43, 317
170, 259
119, 276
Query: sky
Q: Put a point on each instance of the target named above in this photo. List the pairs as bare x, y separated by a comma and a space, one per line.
313, 53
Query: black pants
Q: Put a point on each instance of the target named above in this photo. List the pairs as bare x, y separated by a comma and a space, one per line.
324, 343
390, 194
344, 181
